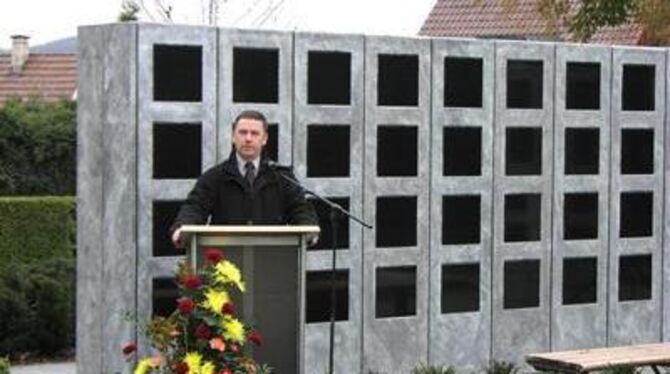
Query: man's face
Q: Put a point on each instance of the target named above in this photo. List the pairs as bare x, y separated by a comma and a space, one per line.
249, 138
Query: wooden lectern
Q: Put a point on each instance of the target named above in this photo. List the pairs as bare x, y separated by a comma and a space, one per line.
271, 259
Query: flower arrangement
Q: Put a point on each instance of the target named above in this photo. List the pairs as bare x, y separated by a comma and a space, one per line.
202, 335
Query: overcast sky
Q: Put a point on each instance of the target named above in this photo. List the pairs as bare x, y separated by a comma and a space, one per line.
47, 20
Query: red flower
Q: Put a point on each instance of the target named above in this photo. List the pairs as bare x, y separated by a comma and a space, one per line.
256, 338
181, 368
192, 281
203, 332
234, 348
185, 305
228, 308
129, 348
225, 371
213, 255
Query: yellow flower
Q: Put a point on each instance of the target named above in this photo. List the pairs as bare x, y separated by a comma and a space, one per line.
193, 361
145, 365
226, 272
233, 330
207, 368
215, 300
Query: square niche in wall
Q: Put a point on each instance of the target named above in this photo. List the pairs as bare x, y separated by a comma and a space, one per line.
636, 214
582, 151
177, 150
396, 221
639, 86
329, 78
398, 80
580, 216
397, 151
318, 296
523, 151
462, 151
580, 280
255, 75
521, 284
523, 219
395, 291
271, 149
524, 84
582, 85
163, 215
328, 151
635, 277
463, 82
461, 223
164, 295
460, 288
326, 236
637, 151
177, 73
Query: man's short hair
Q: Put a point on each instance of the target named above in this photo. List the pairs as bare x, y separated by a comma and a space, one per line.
251, 114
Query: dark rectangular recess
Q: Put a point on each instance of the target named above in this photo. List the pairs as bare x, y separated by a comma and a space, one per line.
328, 150
396, 221
523, 151
637, 151
397, 151
521, 284
255, 75
524, 84
635, 277
177, 73
329, 78
636, 214
397, 80
639, 86
462, 151
580, 216
463, 82
523, 218
582, 151
395, 291
582, 85
326, 236
177, 150
461, 219
318, 296
580, 280
271, 149
460, 288
163, 215
164, 295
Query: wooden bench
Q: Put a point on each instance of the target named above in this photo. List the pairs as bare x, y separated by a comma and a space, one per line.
586, 360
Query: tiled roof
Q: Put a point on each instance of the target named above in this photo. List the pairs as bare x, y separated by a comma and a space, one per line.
471, 18
50, 77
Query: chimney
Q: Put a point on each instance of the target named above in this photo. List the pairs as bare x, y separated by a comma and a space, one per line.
20, 52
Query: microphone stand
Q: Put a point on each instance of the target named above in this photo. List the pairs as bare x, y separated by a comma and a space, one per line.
336, 213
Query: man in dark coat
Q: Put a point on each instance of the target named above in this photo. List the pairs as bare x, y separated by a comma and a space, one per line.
245, 189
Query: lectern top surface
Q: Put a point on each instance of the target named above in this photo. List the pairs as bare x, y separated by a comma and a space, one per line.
249, 229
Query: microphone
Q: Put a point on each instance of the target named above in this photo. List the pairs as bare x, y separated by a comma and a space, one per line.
276, 166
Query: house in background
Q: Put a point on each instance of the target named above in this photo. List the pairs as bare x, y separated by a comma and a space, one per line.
490, 19
50, 76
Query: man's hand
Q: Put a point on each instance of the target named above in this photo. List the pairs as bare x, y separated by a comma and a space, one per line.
312, 239
177, 240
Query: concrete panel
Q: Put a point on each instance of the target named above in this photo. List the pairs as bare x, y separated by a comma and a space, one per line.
666, 221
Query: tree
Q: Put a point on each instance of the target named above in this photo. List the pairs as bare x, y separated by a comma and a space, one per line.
161, 10
129, 10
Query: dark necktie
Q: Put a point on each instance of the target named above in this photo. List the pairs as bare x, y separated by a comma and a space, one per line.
249, 173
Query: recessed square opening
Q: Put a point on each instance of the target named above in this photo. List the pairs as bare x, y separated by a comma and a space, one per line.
636, 214
164, 295
582, 85
580, 216
523, 151
398, 80
582, 151
461, 219
271, 149
460, 288
395, 292
463, 77
318, 298
328, 151
326, 236
637, 151
329, 78
397, 151
177, 152
255, 75
635, 277
521, 284
163, 215
462, 151
524, 84
580, 280
639, 86
396, 221
177, 73
523, 218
